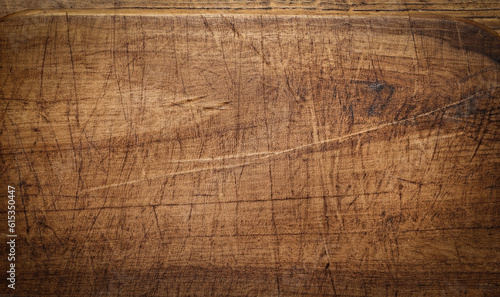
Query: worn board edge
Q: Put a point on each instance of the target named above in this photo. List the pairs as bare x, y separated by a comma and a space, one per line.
477, 37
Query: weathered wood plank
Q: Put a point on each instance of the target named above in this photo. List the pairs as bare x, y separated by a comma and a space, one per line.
486, 12
241, 154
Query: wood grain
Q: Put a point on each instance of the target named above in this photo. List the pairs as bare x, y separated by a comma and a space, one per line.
177, 153
485, 12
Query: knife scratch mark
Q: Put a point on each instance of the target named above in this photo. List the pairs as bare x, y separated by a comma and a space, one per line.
187, 100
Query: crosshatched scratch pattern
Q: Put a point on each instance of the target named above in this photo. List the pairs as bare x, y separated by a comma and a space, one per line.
240, 154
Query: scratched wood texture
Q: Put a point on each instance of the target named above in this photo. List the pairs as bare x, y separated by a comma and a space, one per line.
486, 12
187, 154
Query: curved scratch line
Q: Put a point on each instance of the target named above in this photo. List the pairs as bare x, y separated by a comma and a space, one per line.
266, 155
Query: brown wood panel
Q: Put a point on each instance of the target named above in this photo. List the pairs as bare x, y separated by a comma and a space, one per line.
485, 12
176, 153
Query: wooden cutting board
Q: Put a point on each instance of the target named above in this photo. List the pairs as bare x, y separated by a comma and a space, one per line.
184, 153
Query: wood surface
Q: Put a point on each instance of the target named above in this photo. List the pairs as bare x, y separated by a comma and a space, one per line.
485, 12
186, 154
